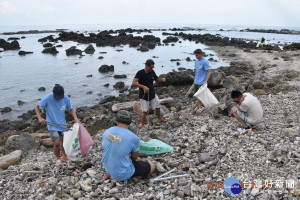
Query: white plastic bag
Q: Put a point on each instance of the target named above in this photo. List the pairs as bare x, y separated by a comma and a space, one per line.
71, 143
206, 97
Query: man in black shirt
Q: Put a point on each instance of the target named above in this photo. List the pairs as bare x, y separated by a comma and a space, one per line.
144, 81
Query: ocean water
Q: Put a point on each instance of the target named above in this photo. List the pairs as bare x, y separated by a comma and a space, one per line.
21, 76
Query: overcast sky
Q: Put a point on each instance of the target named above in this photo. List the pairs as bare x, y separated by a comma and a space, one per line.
231, 12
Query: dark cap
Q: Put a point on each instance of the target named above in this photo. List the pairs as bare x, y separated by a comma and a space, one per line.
124, 117
149, 62
58, 92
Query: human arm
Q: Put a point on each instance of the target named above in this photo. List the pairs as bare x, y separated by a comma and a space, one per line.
38, 113
134, 155
160, 80
73, 113
135, 83
208, 76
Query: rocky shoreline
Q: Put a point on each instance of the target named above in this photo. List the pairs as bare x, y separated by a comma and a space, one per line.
207, 147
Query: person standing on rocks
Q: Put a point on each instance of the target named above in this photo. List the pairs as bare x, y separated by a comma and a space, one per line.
202, 75
56, 103
248, 110
144, 81
120, 149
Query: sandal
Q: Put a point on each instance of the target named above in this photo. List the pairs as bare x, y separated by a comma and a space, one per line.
199, 110
106, 176
58, 162
64, 158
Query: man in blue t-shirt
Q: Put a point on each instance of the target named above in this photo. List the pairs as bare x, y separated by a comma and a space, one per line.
120, 149
202, 75
56, 104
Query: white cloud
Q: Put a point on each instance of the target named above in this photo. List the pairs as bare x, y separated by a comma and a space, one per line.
6, 8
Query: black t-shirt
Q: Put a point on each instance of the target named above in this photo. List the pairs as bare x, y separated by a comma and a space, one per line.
146, 79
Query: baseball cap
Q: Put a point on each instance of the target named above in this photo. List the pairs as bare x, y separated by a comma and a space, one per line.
149, 62
124, 117
58, 92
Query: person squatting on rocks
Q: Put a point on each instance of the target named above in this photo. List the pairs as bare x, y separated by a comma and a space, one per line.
56, 103
248, 110
202, 75
120, 149
144, 81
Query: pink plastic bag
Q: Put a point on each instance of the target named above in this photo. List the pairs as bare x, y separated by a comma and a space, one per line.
85, 140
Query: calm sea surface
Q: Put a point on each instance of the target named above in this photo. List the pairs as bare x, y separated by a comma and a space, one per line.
21, 76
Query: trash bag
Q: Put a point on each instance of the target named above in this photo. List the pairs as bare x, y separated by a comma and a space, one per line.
71, 143
206, 97
154, 146
85, 140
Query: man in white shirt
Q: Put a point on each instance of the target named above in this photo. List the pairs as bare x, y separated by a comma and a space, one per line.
248, 110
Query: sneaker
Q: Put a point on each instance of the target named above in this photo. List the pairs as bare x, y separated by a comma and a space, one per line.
64, 158
106, 176
244, 130
58, 162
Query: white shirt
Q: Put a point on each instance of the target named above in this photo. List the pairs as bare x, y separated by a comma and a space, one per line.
252, 107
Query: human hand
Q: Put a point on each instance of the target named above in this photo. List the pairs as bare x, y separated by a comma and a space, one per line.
42, 121
77, 120
146, 89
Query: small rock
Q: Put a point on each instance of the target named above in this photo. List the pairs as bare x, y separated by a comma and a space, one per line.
20, 102
10, 159
180, 194
289, 132
159, 167
204, 157
75, 193
113, 190
42, 89
86, 185
259, 92
91, 172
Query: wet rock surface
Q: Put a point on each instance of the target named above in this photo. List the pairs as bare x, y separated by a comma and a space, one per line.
207, 146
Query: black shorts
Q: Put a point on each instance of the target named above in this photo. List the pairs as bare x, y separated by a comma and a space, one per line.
141, 168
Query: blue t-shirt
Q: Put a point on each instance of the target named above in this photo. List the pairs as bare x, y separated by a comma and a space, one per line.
201, 67
55, 110
117, 145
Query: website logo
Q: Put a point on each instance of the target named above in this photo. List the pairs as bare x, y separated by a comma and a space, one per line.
232, 186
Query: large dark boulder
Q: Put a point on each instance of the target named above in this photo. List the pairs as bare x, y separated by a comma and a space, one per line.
23, 53
72, 51
51, 50
106, 68
170, 39
5, 109
216, 79
120, 76
23, 142
47, 45
14, 45
89, 50
178, 78
119, 85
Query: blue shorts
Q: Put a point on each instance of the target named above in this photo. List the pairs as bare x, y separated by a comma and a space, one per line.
55, 134
243, 115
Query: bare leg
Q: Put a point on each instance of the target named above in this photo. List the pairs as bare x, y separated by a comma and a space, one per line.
157, 111
143, 119
56, 147
152, 167
62, 147
200, 106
